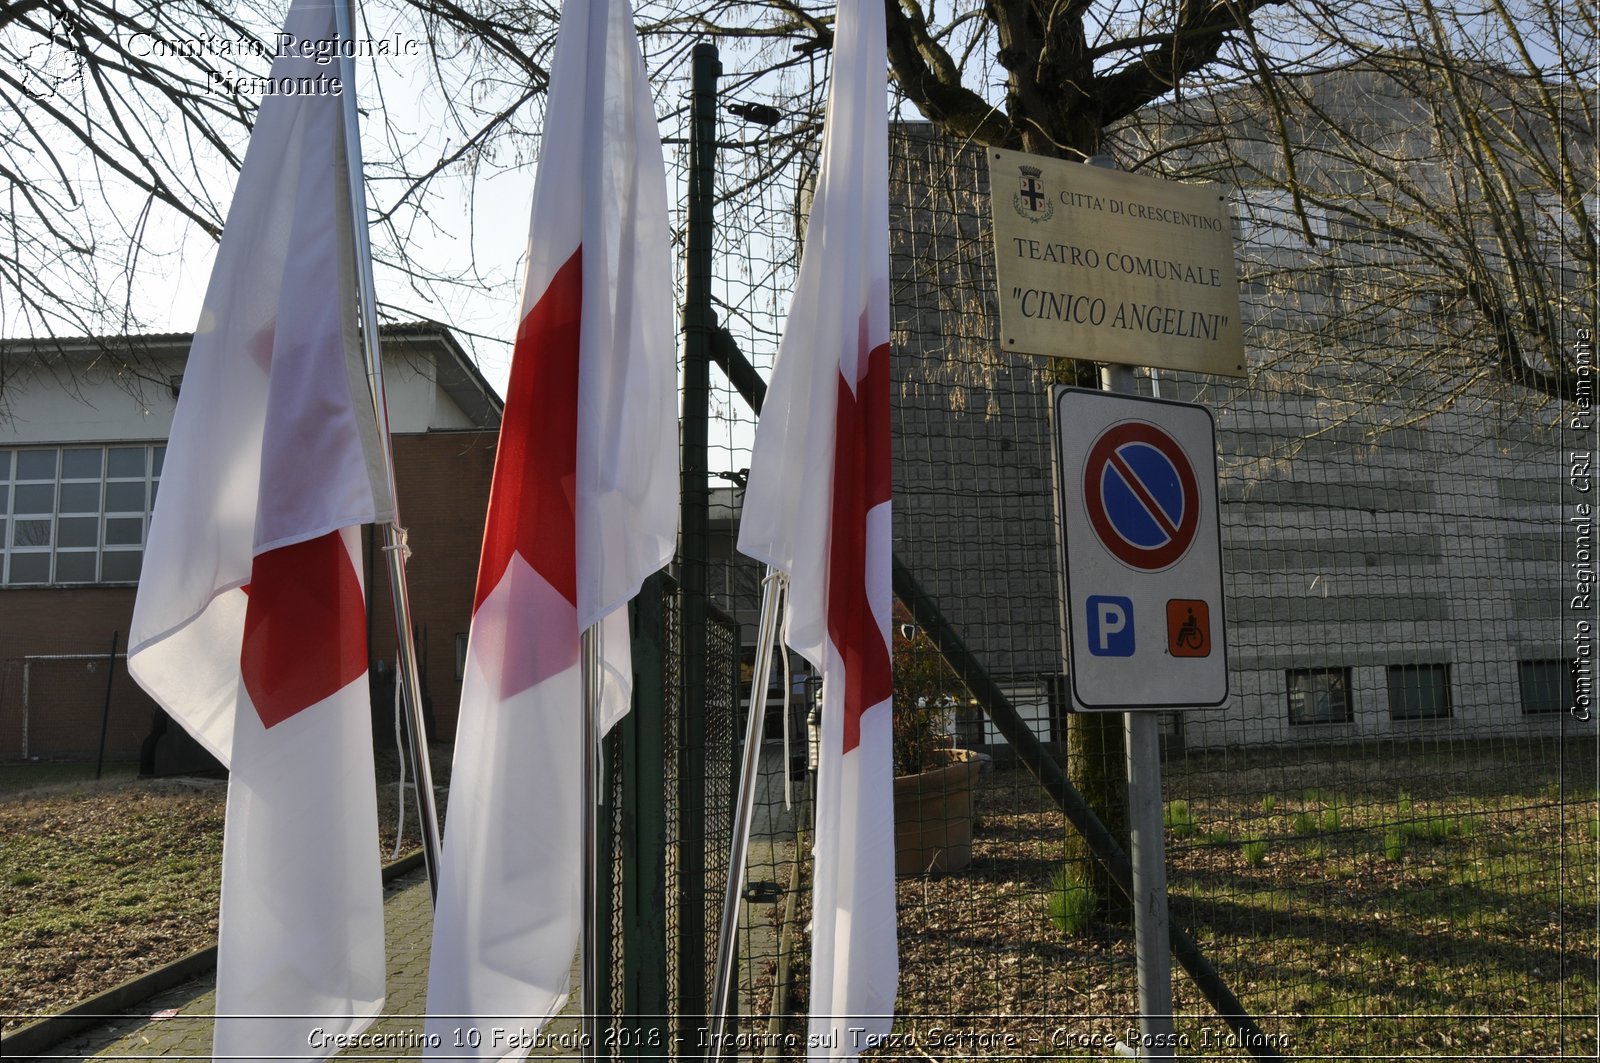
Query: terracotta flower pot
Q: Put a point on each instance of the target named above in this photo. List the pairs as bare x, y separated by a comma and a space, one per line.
933, 816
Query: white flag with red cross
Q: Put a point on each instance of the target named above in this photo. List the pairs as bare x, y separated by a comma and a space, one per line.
583, 507
817, 508
250, 625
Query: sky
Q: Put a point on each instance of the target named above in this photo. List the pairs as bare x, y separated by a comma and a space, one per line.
476, 225
474, 218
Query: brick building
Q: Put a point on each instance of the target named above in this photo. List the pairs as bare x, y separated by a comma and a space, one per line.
81, 452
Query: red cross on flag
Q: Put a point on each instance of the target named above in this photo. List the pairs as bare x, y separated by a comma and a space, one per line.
817, 507
249, 626
582, 508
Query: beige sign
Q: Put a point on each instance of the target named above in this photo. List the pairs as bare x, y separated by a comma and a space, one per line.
1113, 267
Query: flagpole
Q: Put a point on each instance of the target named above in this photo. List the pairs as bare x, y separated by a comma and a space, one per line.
588, 944
744, 812
395, 547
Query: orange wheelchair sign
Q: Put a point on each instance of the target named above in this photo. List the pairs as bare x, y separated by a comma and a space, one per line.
1188, 628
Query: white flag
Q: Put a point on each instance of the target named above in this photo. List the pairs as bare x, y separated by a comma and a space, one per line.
817, 507
583, 507
250, 621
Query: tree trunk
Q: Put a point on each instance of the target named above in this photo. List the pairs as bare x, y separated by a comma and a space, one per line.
1096, 761
1097, 766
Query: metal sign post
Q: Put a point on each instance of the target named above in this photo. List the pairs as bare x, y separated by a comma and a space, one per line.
1147, 843
1119, 268
1136, 489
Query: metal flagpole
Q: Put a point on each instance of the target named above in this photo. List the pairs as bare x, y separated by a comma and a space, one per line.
394, 535
588, 944
727, 937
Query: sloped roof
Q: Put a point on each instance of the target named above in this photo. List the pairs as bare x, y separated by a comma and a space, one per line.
454, 369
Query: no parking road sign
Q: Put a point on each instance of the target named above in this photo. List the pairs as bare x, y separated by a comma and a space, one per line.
1136, 483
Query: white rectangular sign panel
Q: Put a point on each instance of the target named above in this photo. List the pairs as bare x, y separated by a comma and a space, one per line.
1136, 489
1113, 267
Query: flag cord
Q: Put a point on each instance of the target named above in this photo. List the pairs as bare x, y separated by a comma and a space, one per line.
401, 543
788, 709
400, 787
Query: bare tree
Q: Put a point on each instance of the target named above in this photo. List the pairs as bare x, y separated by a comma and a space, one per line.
1427, 205
123, 122
1476, 232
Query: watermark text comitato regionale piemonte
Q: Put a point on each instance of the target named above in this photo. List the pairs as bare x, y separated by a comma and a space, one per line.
220, 54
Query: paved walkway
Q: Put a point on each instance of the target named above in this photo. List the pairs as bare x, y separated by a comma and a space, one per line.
176, 1024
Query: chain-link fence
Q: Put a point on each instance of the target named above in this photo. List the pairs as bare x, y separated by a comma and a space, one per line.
1384, 843
665, 833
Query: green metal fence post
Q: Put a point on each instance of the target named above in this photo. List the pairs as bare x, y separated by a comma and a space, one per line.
644, 836
698, 322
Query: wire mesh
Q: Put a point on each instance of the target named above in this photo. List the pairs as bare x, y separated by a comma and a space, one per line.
652, 964
1385, 841
67, 705
672, 721
1393, 817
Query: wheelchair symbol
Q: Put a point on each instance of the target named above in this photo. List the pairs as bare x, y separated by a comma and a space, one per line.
1188, 628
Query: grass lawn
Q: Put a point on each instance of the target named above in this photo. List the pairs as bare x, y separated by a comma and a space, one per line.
104, 880
1379, 902
1437, 908
100, 880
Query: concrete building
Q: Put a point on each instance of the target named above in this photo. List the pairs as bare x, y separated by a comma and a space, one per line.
1396, 557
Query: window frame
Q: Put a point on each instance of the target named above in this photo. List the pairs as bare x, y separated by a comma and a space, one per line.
70, 511
1440, 670
1319, 694
1568, 688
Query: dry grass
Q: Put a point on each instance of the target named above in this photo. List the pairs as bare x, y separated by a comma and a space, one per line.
1477, 940
102, 881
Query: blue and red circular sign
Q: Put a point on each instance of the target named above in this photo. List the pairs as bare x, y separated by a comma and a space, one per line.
1141, 495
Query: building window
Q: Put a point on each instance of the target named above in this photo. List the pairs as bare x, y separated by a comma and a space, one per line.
1319, 695
1546, 685
75, 515
1419, 691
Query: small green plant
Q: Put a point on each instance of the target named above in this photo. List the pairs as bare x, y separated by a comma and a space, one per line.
23, 879
1179, 819
1331, 818
1437, 828
1304, 823
1594, 829
1072, 904
1255, 852
1269, 804
1404, 803
1394, 844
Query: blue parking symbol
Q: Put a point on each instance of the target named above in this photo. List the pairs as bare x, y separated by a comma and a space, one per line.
1110, 625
